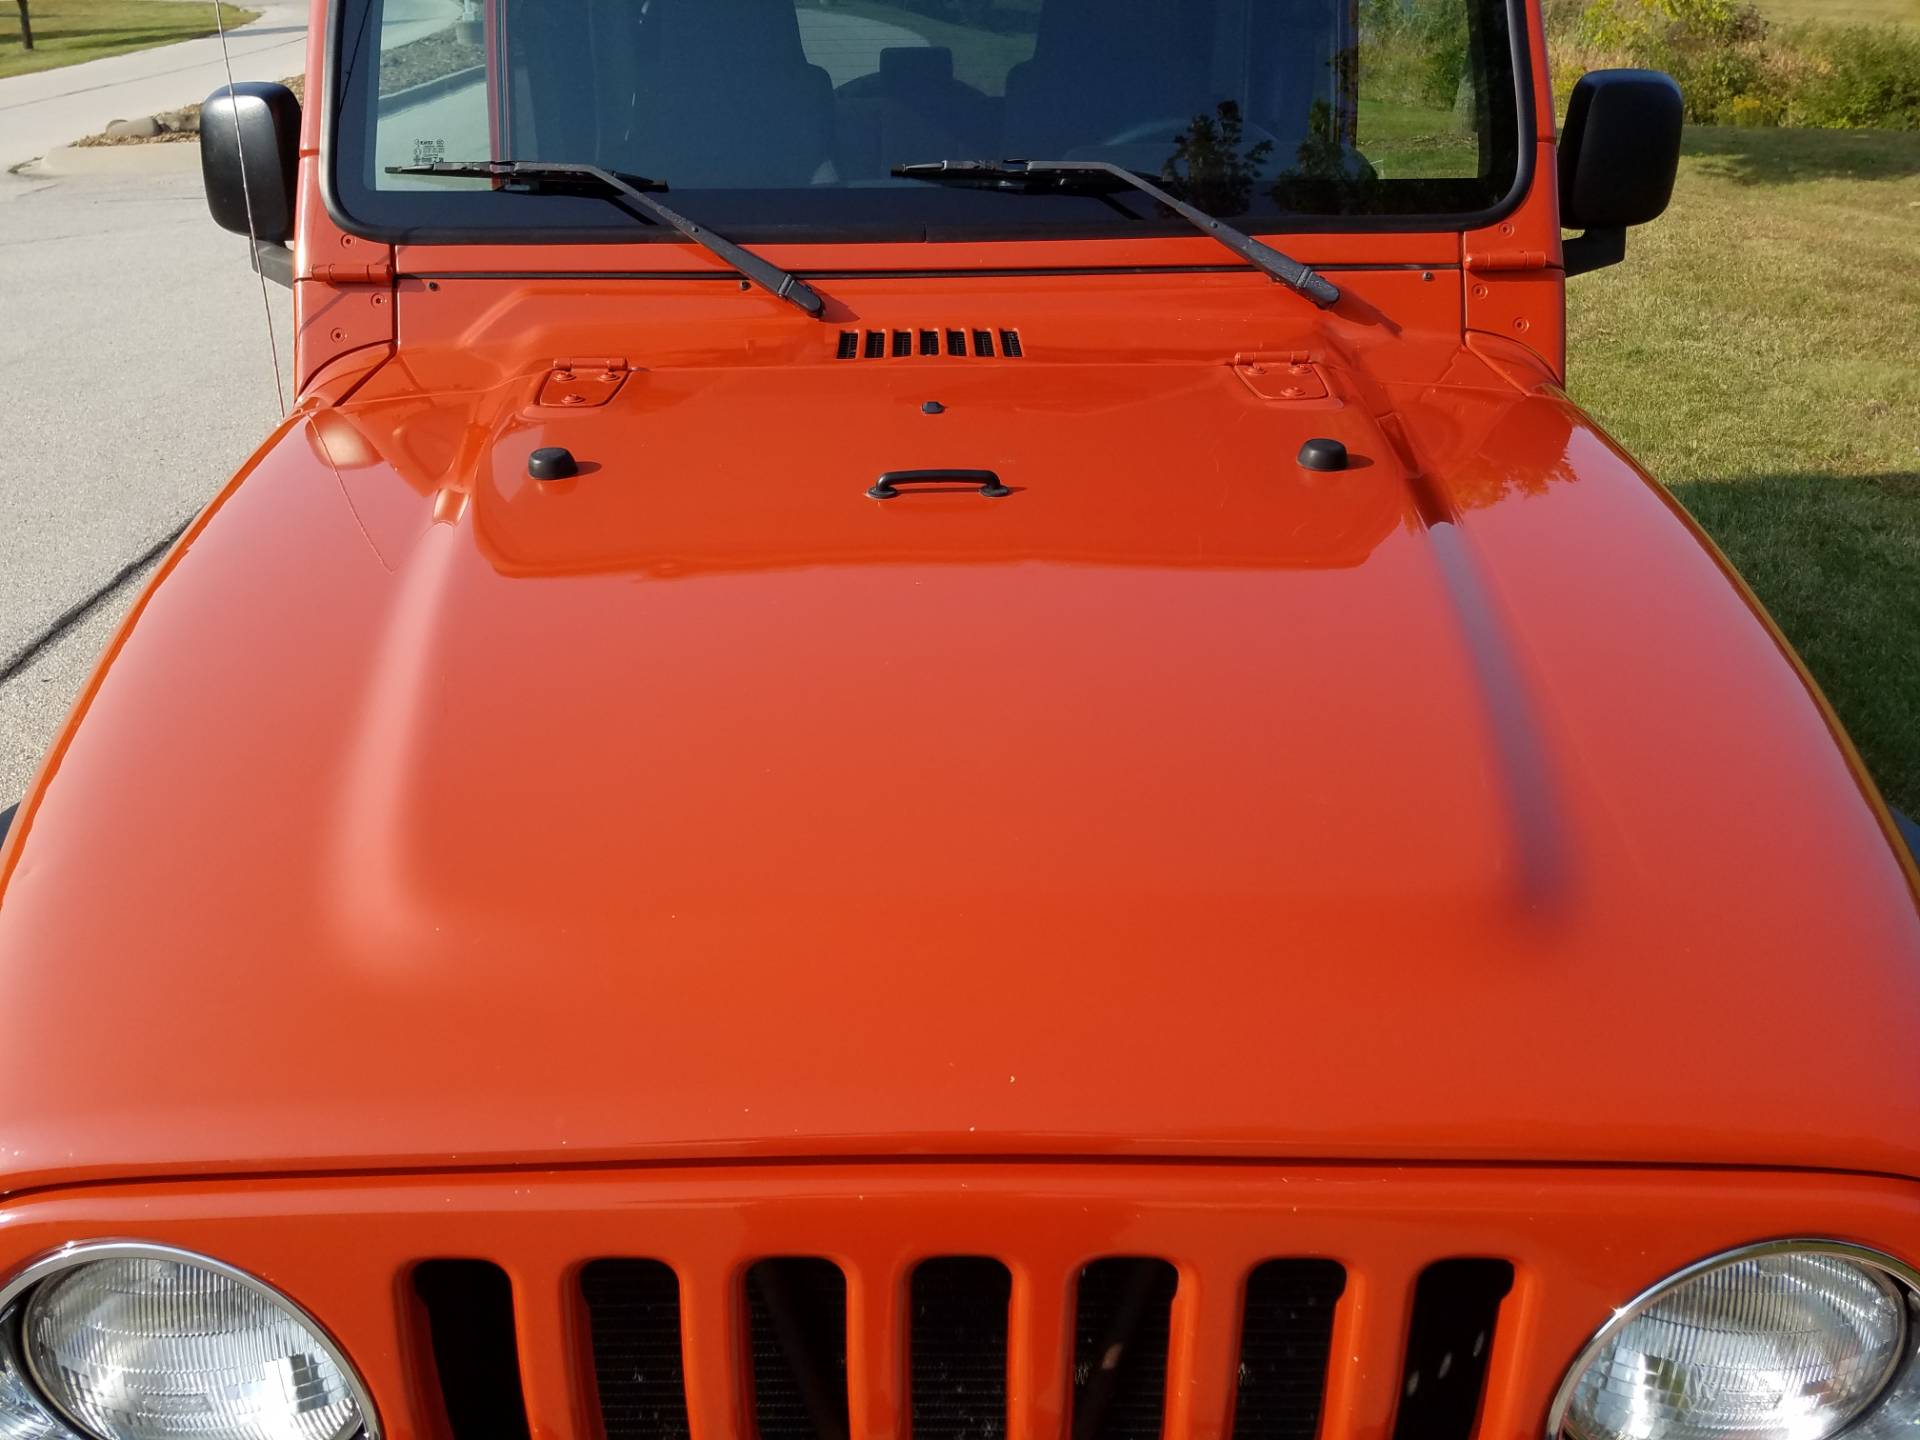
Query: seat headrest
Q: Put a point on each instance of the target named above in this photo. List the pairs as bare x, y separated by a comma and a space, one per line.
907, 67
731, 36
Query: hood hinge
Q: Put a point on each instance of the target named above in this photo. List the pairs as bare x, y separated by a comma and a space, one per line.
584, 381
1286, 375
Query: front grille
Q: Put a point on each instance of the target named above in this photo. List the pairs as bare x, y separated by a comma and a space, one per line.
1121, 1314
958, 1349
469, 1305
797, 1324
633, 1309
663, 1344
1286, 1332
785, 1319
1448, 1346
957, 1318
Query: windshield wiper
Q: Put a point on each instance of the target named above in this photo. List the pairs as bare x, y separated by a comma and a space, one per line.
1097, 177
556, 175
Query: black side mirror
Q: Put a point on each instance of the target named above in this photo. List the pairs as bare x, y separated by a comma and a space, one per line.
1619, 152
250, 156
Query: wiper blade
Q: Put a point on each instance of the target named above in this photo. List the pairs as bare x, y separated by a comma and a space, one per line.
557, 175
1098, 177
534, 174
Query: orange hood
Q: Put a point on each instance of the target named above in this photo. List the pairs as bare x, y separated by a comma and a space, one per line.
1457, 806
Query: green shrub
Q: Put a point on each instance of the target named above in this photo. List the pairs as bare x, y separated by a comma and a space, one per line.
1649, 27
1734, 69
1628, 28
1860, 77
1722, 84
1415, 51
1447, 45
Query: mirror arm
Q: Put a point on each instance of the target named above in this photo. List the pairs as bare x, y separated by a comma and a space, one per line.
1595, 250
275, 261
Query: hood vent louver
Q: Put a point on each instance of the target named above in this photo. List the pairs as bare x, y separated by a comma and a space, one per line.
977, 343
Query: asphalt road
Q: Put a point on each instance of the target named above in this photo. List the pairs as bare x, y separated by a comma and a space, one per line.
134, 379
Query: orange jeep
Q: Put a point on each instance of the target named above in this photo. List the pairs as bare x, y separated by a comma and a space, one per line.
933, 726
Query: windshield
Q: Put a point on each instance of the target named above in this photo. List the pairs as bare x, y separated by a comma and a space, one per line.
785, 118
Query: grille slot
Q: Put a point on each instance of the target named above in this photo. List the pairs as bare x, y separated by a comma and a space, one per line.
1286, 1335
1120, 1326
469, 1305
797, 1316
958, 1349
633, 1309
1455, 1305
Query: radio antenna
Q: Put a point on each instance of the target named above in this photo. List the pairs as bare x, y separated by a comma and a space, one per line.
246, 199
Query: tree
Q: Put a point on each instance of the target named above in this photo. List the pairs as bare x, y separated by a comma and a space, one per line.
1209, 169
26, 25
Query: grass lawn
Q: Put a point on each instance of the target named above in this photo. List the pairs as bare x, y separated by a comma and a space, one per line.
1843, 12
66, 32
1414, 142
1757, 353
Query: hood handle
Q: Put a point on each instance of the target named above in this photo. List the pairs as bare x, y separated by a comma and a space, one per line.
888, 485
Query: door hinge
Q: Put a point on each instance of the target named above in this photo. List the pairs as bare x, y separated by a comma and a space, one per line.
1507, 260
379, 272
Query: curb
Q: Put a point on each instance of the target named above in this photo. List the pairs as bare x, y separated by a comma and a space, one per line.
432, 89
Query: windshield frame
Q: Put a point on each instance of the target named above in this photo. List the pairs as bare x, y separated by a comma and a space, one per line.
639, 232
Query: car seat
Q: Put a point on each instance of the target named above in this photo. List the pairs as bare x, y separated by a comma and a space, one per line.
912, 109
724, 97
1101, 68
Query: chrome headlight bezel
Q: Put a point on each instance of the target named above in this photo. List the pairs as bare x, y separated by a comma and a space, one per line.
1903, 1373
21, 1285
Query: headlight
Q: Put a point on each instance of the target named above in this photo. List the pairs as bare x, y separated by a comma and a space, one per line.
1791, 1340
141, 1342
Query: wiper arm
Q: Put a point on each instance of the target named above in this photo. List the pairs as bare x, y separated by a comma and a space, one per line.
1098, 177
556, 175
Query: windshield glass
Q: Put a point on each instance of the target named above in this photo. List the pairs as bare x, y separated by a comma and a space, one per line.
785, 118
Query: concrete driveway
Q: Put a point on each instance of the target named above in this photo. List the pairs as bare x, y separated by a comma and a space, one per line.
133, 354
56, 107
137, 377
